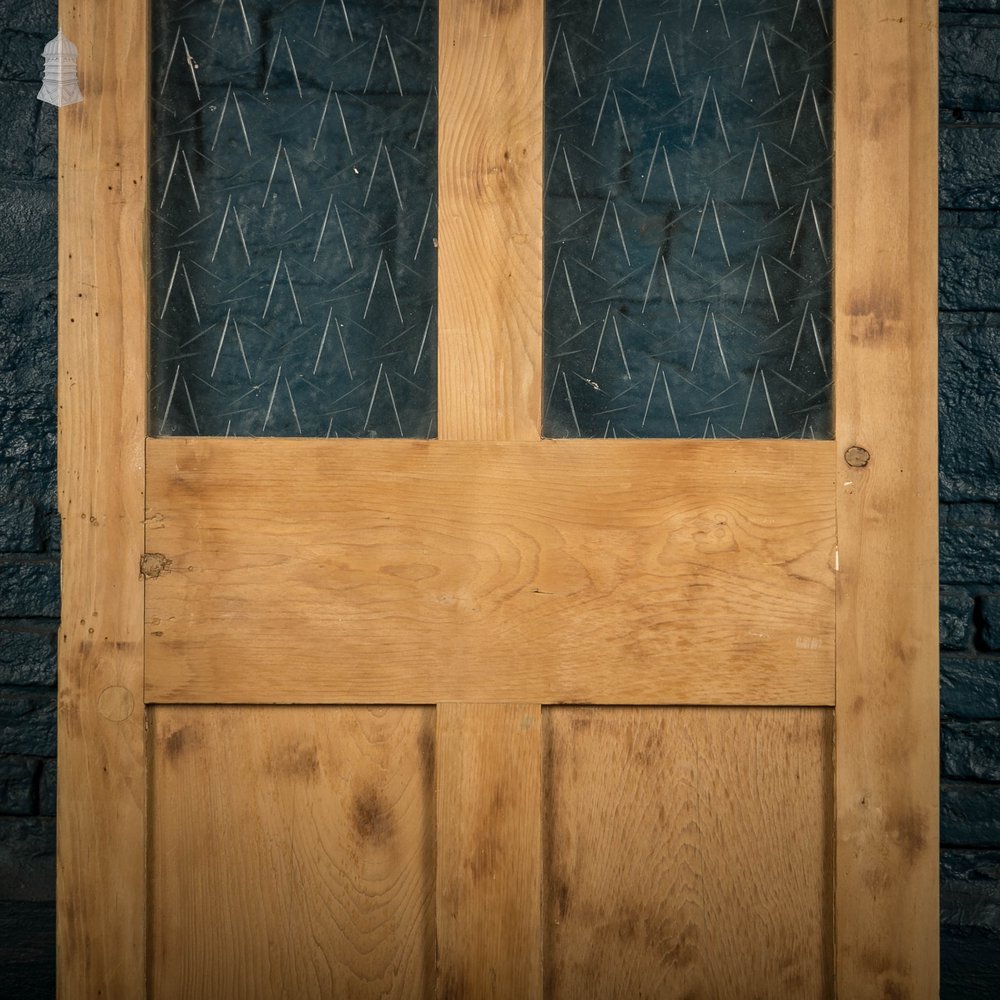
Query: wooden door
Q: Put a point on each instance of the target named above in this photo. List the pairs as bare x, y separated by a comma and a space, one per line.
493, 716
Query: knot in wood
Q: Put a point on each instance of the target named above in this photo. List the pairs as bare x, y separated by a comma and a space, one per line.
857, 457
153, 564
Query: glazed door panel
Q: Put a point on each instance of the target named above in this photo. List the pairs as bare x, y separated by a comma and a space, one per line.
489, 715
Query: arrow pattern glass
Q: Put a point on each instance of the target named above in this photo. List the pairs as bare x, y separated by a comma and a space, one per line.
688, 186
293, 197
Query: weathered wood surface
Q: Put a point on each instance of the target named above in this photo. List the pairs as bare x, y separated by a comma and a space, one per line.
688, 852
489, 821
100, 912
589, 571
292, 853
886, 355
490, 220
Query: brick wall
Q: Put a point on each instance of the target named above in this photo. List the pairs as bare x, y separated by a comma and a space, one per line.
970, 492
970, 495
29, 528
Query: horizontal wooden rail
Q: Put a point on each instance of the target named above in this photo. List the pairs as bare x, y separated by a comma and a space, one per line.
603, 572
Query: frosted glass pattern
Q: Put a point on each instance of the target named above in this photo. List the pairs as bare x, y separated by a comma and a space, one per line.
688, 181
293, 198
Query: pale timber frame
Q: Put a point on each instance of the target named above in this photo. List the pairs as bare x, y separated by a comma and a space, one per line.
885, 305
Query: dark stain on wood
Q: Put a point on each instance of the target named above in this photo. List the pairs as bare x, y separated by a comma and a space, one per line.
679, 952
895, 990
502, 9
372, 817
451, 986
560, 898
426, 748
904, 651
910, 833
296, 761
875, 880
174, 744
484, 860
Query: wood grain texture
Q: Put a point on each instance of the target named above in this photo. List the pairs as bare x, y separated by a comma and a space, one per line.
886, 353
452, 576
102, 407
292, 853
387, 572
490, 219
489, 797
688, 853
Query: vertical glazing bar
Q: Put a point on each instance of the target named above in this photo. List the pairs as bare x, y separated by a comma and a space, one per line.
490, 220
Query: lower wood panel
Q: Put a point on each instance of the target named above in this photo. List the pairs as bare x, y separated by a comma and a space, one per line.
291, 853
688, 853
580, 852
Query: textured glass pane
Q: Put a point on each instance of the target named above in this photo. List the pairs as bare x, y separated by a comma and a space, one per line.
688, 181
294, 217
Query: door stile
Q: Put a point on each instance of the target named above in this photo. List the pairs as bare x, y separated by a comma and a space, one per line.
886, 413
101, 812
489, 756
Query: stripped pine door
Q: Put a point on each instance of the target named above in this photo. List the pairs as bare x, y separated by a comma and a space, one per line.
491, 715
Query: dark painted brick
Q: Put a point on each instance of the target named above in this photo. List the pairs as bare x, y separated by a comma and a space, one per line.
970, 63
28, 222
970, 544
21, 55
17, 785
970, 554
970, 814
37, 16
970, 248
971, 750
970, 156
989, 612
47, 789
27, 134
27, 442
52, 531
28, 324
46, 159
28, 656
970, 925
27, 950
29, 589
19, 527
969, 407
27, 857
955, 618
970, 686
27, 386
28, 723
17, 125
